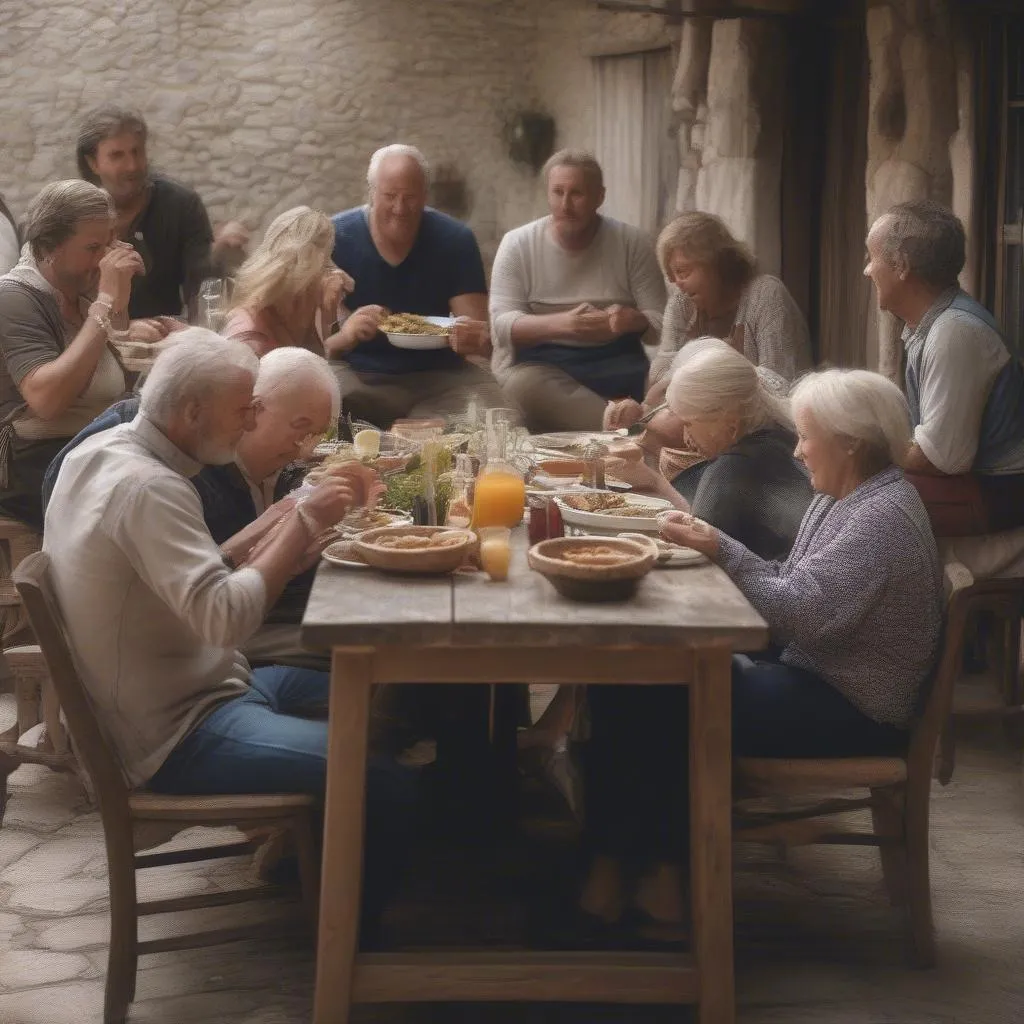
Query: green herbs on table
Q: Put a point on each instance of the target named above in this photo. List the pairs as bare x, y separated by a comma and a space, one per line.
404, 488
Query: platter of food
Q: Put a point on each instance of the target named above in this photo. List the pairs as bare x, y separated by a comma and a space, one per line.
342, 553
409, 330
361, 519
608, 513
569, 444
385, 452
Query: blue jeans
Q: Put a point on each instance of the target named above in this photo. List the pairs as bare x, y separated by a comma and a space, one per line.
255, 743
637, 765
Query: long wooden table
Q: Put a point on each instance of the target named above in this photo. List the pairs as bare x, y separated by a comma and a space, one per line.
681, 627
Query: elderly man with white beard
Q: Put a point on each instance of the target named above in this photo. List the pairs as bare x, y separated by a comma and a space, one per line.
154, 614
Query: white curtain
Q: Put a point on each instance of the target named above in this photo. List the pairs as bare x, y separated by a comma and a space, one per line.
635, 146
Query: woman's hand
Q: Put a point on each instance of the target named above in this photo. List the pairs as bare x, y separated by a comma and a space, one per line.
623, 413
637, 474
148, 331
117, 268
334, 286
690, 532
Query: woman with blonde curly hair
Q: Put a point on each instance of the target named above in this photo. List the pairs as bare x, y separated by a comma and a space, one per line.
289, 284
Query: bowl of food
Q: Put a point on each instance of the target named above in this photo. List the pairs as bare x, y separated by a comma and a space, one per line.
593, 568
410, 330
606, 513
415, 549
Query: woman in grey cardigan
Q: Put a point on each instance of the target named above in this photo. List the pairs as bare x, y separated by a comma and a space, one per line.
856, 609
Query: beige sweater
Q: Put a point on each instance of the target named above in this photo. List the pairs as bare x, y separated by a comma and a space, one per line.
533, 274
775, 333
153, 614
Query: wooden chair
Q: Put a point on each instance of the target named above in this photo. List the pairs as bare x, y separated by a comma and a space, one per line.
1003, 599
35, 698
899, 788
131, 819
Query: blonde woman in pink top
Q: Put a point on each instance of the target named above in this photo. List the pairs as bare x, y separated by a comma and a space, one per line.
289, 292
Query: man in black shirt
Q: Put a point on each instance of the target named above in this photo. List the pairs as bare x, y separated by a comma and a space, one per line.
165, 221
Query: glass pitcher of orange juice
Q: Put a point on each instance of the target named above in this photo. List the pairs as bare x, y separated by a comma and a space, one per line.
500, 493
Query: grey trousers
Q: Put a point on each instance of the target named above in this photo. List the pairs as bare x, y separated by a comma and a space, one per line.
550, 399
382, 398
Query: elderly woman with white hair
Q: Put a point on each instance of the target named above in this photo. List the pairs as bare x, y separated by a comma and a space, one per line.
289, 292
856, 609
750, 485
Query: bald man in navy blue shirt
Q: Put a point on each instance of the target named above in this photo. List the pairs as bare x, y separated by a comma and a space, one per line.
408, 258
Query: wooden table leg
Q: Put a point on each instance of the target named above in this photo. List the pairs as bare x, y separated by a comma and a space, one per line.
711, 834
344, 817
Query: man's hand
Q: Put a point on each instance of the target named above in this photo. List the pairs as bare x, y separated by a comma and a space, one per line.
243, 544
470, 337
231, 236
587, 323
626, 320
361, 326
350, 485
622, 413
683, 528
915, 461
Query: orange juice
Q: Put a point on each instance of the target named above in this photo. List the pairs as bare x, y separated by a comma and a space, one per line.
499, 499
495, 551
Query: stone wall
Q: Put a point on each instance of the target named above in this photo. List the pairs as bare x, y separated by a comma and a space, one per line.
262, 105
729, 95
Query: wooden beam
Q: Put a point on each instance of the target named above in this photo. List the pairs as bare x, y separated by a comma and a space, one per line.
512, 977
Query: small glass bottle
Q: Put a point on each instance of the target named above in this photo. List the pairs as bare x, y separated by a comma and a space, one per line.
460, 507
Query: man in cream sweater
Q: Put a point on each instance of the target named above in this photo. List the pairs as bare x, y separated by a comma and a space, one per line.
572, 297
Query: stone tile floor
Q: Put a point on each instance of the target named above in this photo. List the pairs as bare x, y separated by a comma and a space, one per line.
816, 940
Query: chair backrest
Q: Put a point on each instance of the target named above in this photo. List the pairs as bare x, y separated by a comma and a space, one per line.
16, 541
32, 578
965, 597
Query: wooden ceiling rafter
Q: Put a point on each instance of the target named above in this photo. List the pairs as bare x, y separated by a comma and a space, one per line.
677, 10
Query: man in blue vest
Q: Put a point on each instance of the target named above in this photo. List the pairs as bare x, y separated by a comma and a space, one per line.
964, 384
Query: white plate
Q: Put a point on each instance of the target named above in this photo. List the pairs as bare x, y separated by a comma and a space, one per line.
337, 554
424, 341
670, 556
560, 440
607, 523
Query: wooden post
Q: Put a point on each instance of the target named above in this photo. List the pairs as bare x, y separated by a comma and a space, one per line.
711, 833
344, 821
